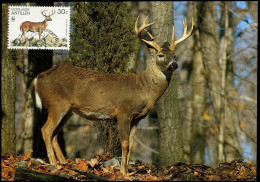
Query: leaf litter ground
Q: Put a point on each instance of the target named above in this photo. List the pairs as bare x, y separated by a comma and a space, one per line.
81, 169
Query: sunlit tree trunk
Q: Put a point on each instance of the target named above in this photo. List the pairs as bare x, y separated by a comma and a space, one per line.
231, 146
223, 114
8, 81
170, 124
28, 120
207, 27
198, 82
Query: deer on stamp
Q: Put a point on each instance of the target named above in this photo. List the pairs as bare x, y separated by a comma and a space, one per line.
125, 98
36, 26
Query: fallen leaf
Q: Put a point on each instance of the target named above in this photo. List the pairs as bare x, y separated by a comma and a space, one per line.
140, 167
108, 169
93, 162
117, 173
27, 156
81, 164
253, 170
99, 173
214, 177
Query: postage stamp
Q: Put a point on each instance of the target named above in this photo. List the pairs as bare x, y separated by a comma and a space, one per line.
39, 27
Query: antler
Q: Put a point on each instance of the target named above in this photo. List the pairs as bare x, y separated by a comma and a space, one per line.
138, 32
52, 12
42, 12
184, 35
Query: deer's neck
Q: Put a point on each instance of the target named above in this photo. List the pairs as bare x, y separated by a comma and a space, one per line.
45, 23
154, 80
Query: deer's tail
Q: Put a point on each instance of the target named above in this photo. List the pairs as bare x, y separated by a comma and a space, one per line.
38, 100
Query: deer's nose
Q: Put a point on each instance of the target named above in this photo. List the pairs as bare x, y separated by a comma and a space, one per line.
173, 66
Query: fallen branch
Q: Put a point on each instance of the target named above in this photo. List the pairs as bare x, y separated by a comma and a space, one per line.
22, 174
90, 176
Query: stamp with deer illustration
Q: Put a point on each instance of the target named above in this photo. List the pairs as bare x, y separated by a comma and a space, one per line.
39, 27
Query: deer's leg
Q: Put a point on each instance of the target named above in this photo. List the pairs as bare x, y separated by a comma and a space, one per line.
54, 117
47, 131
23, 36
131, 139
40, 35
124, 131
55, 143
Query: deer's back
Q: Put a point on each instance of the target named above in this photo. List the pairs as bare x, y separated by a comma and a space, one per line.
85, 87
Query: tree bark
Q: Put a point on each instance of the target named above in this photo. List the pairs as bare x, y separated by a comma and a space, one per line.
198, 82
223, 61
207, 27
8, 88
231, 146
170, 125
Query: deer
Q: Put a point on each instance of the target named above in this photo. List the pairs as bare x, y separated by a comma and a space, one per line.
36, 26
65, 90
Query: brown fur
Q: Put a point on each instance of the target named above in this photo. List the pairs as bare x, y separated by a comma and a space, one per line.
126, 98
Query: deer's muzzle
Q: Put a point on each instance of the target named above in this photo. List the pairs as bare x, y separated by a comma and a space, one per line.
173, 66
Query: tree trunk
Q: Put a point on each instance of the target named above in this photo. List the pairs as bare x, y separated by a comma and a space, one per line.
170, 125
223, 61
231, 146
198, 82
8, 81
28, 110
209, 46
185, 52
252, 8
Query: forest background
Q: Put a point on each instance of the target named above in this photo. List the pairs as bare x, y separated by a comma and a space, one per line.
203, 132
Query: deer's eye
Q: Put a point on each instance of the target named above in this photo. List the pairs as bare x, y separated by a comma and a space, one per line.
161, 55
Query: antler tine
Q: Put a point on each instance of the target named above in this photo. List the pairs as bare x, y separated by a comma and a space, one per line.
136, 29
184, 35
138, 32
42, 12
144, 25
184, 27
150, 35
53, 12
172, 45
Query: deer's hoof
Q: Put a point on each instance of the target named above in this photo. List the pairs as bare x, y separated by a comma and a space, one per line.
123, 171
